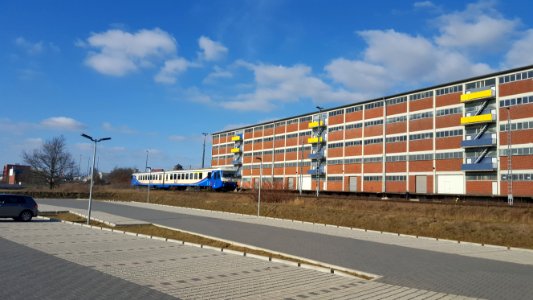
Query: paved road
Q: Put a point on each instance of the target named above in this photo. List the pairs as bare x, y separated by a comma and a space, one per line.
53, 260
398, 265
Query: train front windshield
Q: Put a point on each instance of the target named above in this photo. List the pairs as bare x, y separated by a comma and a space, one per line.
228, 175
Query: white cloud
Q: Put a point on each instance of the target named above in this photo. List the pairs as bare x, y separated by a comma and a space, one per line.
424, 4
211, 50
177, 138
63, 123
171, 69
480, 26
521, 51
119, 52
218, 73
107, 126
285, 84
29, 47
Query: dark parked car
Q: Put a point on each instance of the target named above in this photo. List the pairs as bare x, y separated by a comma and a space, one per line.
18, 207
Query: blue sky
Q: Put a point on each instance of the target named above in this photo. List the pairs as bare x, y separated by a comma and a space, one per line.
154, 75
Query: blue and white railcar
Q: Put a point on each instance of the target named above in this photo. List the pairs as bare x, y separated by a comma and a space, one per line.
217, 179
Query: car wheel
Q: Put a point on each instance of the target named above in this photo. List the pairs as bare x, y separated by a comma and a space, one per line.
25, 216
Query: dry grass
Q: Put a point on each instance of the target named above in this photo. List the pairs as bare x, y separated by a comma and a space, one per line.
484, 223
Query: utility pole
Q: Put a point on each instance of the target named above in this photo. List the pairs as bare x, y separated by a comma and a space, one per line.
203, 153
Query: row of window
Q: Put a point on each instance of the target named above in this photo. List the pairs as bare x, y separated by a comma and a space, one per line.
397, 100
449, 111
449, 133
424, 115
175, 176
374, 123
516, 101
480, 177
519, 177
450, 90
517, 151
373, 105
396, 119
422, 95
421, 136
480, 84
516, 77
517, 126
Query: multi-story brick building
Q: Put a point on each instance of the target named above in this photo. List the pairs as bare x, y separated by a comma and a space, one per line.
451, 138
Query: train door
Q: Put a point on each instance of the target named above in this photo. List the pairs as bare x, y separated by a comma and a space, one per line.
216, 181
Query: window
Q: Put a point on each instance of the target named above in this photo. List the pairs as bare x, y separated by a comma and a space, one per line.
480, 176
516, 77
372, 178
353, 126
422, 95
292, 135
519, 177
335, 161
449, 155
373, 159
421, 136
293, 121
336, 128
415, 157
374, 123
517, 126
334, 178
336, 112
397, 100
352, 161
449, 111
517, 151
480, 84
396, 178
396, 158
449, 90
374, 105
396, 139
304, 119
396, 119
373, 141
516, 101
424, 115
352, 143
269, 126
279, 124
449, 133
354, 109
279, 137
335, 145
249, 130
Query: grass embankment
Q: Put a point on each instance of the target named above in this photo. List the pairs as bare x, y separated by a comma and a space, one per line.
481, 223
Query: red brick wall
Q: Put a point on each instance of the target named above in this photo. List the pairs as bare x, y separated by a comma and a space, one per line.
516, 87
520, 188
448, 121
392, 167
353, 150
355, 116
448, 99
399, 127
420, 104
517, 112
268, 131
258, 133
338, 119
280, 129
293, 127
335, 152
421, 145
334, 185
373, 149
372, 168
396, 109
421, 166
279, 157
258, 146
421, 124
373, 130
248, 135
396, 147
372, 186
290, 155
335, 169
395, 186
479, 187
303, 125
292, 142
354, 133
279, 143
448, 143
520, 162
448, 164
517, 137
291, 170
335, 136
352, 168
373, 113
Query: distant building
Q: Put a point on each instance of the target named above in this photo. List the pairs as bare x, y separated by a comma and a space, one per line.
13, 174
454, 138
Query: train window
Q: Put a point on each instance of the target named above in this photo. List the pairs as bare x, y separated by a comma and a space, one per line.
209, 175
201, 175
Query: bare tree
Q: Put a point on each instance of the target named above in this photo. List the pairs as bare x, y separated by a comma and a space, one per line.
51, 162
120, 176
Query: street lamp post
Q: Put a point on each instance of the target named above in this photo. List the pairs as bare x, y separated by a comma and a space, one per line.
95, 141
510, 199
203, 153
260, 184
149, 183
317, 161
